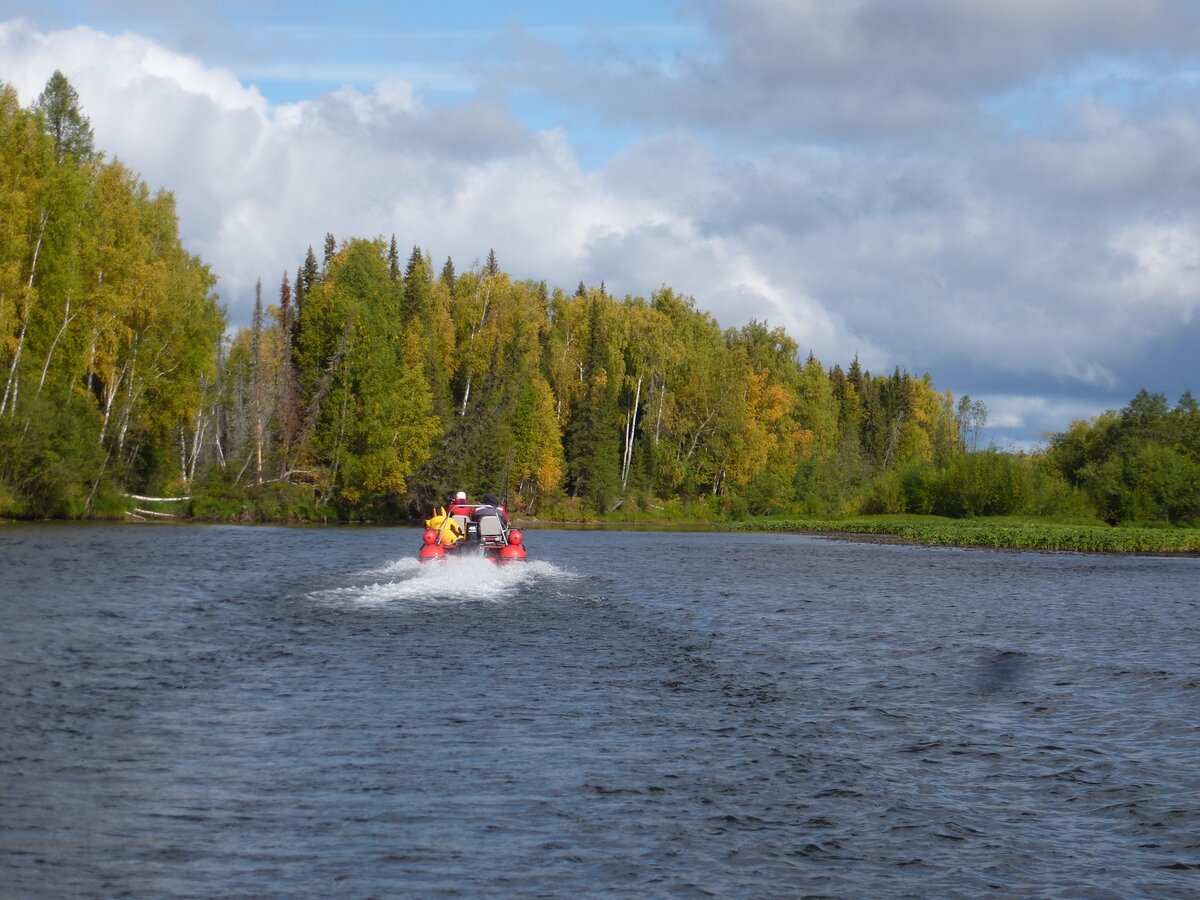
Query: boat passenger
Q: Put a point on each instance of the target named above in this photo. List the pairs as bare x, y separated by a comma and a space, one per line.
459, 506
492, 507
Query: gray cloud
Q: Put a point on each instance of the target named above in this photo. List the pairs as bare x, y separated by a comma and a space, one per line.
841, 169
865, 69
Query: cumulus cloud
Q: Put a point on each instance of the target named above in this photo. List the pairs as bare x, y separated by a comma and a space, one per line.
843, 169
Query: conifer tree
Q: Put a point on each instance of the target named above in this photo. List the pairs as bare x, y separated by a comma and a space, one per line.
491, 267
856, 374
393, 260
310, 271
287, 412
416, 286
71, 130
330, 250
591, 439
448, 276
258, 376
285, 305
297, 302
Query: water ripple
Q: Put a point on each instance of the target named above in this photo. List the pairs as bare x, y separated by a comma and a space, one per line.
310, 712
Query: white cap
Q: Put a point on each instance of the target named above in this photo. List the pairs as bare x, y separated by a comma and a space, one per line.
461, 495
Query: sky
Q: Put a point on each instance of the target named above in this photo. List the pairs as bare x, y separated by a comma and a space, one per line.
1004, 194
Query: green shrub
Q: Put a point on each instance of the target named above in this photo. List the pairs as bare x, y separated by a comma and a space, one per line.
970, 485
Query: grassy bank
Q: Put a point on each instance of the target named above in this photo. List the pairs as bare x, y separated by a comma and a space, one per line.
1005, 534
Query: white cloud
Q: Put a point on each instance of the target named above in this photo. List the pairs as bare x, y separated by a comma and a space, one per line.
1167, 266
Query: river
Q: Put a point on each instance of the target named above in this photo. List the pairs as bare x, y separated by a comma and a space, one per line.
295, 712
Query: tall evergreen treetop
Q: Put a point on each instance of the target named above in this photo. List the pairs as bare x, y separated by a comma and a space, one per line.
416, 284
309, 271
393, 260
285, 307
70, 128
491, 267
330, 248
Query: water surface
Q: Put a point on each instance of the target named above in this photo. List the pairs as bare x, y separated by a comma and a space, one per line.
203, 711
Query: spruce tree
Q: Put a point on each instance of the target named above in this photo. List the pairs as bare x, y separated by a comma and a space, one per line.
310, 271
592, 437
298, 300
856, 374
416, 285
72, 133
287, 412
491, 267
448, 275
330, 250
393, 261
285, 307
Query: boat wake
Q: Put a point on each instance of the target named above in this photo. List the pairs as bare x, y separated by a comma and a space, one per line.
466, 580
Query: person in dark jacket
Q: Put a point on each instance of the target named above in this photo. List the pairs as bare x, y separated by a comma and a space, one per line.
491, 507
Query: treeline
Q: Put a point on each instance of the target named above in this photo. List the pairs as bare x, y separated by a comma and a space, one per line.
108, 328
369, 385
387, 386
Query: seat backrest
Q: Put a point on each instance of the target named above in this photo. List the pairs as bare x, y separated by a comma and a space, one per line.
462, 522
491, 531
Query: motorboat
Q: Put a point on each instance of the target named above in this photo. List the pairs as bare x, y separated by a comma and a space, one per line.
480, 529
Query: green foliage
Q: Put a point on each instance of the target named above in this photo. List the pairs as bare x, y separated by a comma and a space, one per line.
65, 122
55, 465
1141, 464
107, 327
275, 502
968, 485
371, 393
997, 534
591, 438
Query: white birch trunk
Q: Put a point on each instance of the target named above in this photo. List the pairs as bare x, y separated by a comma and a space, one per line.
662, 399
197, 444
110, 397
629, 434
183, 456
258, 446
220, 450
10, 386
67, 317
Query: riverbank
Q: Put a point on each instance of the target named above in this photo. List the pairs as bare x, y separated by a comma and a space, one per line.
995, 534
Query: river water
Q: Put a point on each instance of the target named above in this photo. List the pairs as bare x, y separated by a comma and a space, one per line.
275, 712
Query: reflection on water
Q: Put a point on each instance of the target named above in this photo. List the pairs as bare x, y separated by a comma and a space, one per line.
294, 712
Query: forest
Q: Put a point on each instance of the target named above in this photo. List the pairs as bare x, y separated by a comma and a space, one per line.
371, 384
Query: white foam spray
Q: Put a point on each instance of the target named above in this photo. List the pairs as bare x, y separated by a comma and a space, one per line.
468, 579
